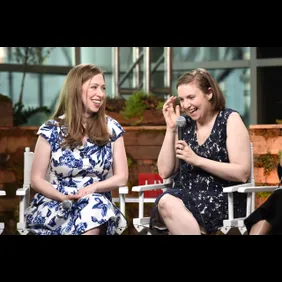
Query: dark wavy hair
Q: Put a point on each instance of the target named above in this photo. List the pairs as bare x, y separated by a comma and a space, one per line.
204, 81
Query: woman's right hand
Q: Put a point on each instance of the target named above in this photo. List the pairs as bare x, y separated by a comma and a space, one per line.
68, 197
169, 113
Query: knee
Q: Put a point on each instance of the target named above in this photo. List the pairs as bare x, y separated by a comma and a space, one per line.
165, 205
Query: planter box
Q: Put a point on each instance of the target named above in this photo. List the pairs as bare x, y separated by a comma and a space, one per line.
267, 142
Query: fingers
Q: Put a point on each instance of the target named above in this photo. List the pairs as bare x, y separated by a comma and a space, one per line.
180, 146
73, 196
78, 195
177, 110
169, 103
81, 194
181, 142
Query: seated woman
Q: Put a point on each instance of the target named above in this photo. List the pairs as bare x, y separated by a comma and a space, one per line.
267, 218
85, 151
214, 153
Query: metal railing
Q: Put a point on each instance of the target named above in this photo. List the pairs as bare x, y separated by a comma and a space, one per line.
141, 70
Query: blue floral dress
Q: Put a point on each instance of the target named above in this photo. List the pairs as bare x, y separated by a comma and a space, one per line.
70, 170
200, 191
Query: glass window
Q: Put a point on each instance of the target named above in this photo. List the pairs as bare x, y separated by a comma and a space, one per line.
269, 52
235, 84
269, 94
100, 56
39, 90
201, 54
11, 86
52, 85
56, 56
61, 56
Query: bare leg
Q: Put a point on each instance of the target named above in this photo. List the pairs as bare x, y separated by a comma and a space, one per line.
96, 231
262, 227
176, 217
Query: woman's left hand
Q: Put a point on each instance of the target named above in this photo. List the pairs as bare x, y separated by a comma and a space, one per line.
184, 152
83, 192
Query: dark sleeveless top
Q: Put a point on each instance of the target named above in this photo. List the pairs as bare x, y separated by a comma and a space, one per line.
202, 187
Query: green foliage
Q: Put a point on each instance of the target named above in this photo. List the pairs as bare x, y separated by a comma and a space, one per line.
160, 105
140, 101
263, 195
115, 104
32, 55
129, 162
279, 154
22, 115
134, 106
268, 162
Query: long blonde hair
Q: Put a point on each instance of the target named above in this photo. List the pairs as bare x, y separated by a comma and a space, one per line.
70, 105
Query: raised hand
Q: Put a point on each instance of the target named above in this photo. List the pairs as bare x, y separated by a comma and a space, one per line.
169, 113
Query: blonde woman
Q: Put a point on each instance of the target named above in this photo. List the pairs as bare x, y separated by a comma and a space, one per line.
80, 145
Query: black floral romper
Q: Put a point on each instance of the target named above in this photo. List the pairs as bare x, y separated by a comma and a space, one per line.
200, 191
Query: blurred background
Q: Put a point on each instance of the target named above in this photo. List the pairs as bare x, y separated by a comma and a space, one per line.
140, 78
248, 76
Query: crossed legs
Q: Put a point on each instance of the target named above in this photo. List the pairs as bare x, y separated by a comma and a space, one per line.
177, 218
262, 227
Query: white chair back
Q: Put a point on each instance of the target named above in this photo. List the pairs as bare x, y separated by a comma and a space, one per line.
28, 159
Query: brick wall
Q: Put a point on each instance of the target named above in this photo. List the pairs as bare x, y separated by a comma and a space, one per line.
142, 148
13, 140
142, 144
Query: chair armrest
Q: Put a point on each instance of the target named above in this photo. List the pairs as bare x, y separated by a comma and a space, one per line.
257, 189
22, 191
123, 190
235, 188
149, 187
2, 193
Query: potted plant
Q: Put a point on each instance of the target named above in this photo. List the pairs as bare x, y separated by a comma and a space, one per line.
139, 109
268, 163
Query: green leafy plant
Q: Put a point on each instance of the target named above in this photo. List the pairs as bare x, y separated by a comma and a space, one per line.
115, 104
140, 101
279, 155
26, 56
21, 115
267, 161
263, 195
